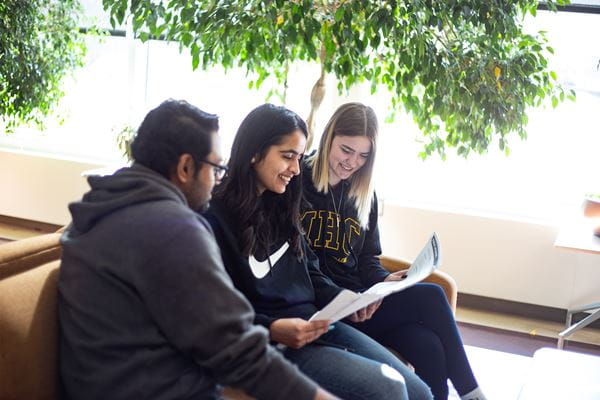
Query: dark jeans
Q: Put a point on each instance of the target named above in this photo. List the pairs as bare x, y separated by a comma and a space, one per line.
418, 323
353, 366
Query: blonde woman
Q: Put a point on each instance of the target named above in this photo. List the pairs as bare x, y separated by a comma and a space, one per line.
340, 221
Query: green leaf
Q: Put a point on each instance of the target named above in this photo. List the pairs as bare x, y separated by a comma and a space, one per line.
44, 46
195, 60
339, 14
437, 59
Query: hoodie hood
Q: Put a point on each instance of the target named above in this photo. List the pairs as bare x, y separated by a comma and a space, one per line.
126, 187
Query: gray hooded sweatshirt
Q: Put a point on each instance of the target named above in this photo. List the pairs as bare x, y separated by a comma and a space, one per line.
146, 309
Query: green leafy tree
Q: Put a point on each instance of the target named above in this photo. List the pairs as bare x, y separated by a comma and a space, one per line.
39, 44
465, 70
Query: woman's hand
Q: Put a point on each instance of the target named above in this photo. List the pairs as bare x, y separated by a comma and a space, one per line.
396, 276
296, 332
322, 394
365, 313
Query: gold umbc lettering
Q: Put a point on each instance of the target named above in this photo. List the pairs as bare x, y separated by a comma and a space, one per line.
322, 231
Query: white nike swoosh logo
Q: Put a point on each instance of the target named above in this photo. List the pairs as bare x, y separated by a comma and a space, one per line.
261, 268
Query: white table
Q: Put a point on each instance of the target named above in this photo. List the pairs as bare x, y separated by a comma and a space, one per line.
562, 375
578, 236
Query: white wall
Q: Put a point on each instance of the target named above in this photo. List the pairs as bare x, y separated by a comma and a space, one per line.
500, 258
39, 188
494, 257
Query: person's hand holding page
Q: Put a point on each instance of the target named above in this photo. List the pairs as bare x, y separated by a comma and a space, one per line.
322, 394
365, 313
296, 332
396, 276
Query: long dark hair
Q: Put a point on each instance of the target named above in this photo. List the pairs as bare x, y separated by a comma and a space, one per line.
270, 216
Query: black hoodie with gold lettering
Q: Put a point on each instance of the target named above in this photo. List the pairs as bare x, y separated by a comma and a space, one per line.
348, 253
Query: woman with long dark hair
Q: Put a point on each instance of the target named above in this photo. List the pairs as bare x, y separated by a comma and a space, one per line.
255, 216
340, 218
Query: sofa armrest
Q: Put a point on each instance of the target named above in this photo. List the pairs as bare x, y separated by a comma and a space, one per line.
445, 281
25, 254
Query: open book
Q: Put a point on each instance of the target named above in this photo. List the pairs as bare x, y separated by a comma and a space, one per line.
347, 301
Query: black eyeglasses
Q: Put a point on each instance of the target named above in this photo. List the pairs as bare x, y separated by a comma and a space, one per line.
218, 170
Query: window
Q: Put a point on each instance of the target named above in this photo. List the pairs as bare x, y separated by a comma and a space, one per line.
550, 171
553, 168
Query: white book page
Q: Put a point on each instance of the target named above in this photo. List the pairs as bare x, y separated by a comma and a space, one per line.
364, 300
342, 300
426, 262
348, 302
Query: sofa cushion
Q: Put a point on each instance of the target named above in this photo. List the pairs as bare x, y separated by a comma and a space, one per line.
28, 334
28, 324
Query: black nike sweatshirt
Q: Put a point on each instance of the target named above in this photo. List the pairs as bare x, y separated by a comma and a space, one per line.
286, 288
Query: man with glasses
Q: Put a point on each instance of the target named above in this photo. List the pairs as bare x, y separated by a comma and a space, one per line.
219, 170
146, 310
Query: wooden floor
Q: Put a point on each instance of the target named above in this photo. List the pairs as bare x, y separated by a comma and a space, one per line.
12, 230
514, 342
500, 375
534, 328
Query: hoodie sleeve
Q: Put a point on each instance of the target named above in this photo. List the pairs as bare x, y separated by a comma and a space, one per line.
369, 266
325, 289
193, 301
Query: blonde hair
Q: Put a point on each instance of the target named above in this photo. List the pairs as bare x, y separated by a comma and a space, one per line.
350, 119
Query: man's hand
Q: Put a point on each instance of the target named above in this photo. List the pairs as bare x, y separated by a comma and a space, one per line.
322, 394
296, 332
396, 276
365, 313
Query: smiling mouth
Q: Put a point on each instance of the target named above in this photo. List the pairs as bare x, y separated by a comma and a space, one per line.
345, 168
286, 179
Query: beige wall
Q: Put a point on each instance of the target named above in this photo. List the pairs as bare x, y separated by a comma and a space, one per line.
500, 258
39, 188
493, 257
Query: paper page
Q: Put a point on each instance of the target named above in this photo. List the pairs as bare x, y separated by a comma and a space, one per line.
428, 259
342, 300
426, 262
385, 288
347, 302
364, 300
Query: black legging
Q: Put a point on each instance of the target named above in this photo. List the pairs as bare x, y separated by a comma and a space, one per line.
418, 323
